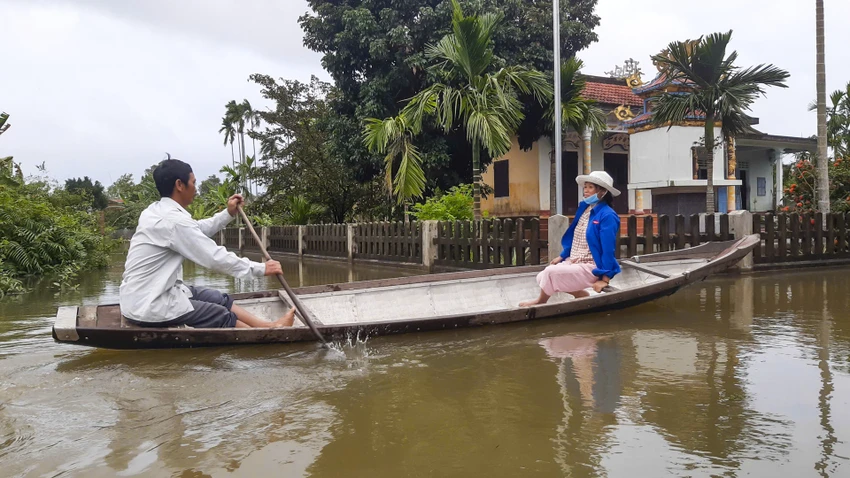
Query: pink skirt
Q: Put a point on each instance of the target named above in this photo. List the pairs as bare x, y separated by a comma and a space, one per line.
566, 277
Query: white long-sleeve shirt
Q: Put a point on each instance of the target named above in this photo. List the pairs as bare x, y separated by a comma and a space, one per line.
152, 288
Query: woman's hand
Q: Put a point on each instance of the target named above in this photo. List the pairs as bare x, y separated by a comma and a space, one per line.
556, 260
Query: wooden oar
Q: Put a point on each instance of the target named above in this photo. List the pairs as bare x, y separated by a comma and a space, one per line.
303, 312
636, 266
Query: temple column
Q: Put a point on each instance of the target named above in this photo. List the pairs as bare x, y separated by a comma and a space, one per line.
587, 151
639, 201
731, 167
778, 188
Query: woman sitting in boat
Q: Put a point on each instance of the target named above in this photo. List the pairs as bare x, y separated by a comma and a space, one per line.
587, 259
152, 291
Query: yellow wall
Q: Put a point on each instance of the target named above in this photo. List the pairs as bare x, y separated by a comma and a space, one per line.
523, 198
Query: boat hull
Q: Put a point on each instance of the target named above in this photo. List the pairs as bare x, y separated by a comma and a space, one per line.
102, 326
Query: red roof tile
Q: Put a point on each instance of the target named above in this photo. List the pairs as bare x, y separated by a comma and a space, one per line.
611, 94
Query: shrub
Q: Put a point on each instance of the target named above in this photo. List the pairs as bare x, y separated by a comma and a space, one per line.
456, 205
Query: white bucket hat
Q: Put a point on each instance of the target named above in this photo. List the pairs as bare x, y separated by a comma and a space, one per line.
599, 178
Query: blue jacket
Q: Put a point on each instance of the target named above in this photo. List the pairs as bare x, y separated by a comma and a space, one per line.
602, 228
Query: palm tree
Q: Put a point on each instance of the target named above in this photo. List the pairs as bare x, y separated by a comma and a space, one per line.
236, 116
837, 122
714, 88
299, 210
484, 103
577, 112
4, 117
823, 171
229, 136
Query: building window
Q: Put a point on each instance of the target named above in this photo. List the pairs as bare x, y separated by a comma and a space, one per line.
762, 186
501, 180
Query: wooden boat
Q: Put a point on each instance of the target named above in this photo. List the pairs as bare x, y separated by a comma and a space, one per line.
412, 304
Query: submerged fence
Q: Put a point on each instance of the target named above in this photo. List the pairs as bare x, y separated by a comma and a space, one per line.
458, 244
489, 243
785, 239
789, 238
667, 233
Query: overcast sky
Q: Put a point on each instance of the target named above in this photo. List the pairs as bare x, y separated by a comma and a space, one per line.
105, 87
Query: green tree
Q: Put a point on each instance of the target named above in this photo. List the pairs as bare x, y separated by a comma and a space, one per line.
209, 185
10, 172
93, 192
801, 186
294, 143
475, 93
838, 122
299, 210
577, 112
4, 125
375, 52
123, 185
714, 88
237, 117
456, 205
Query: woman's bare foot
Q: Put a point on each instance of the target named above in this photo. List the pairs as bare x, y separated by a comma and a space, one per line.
541, 299
286, 321
530, 303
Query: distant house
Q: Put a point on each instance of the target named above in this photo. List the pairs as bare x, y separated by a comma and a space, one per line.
659, 169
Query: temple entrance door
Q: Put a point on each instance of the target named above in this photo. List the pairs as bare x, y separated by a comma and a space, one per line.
617, 165
569, 171
744, 189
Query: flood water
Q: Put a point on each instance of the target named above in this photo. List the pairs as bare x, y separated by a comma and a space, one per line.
734, 376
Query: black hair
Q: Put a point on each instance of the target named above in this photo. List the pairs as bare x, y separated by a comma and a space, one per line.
608, 198
167, 173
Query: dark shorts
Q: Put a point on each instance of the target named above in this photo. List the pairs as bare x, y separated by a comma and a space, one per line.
212, 311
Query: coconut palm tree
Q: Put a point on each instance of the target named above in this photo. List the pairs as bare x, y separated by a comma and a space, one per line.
713, 87
823, 171
482, 101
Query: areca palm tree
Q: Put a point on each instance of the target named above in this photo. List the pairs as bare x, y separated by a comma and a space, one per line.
837, 122
4, 117
577, 112
482, 101
823, 172
236, 117
713, 87
229, 137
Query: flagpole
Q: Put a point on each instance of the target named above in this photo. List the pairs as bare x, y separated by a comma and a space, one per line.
556, 28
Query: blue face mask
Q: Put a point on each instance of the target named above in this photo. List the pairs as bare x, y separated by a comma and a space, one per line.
591, 200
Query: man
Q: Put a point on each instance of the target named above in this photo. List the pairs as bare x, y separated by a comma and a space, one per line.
152, 291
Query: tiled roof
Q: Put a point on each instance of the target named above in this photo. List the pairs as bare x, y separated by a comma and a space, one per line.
657, 83
647, 117
611, 94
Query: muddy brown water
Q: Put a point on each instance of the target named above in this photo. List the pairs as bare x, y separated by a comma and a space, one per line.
734, 376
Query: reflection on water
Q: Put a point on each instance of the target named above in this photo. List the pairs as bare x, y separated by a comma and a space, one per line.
735, 376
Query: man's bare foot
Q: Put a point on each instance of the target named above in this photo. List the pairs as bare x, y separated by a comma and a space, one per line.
530, 303
580, 293
286, 321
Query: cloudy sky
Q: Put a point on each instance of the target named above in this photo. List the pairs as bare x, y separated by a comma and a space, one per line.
105, 87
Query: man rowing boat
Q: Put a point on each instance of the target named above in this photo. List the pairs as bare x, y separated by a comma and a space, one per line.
152, 292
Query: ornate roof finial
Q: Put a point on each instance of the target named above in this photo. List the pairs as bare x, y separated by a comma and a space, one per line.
629, 68
623, 113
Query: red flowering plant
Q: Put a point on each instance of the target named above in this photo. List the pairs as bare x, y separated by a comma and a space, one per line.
801, 186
